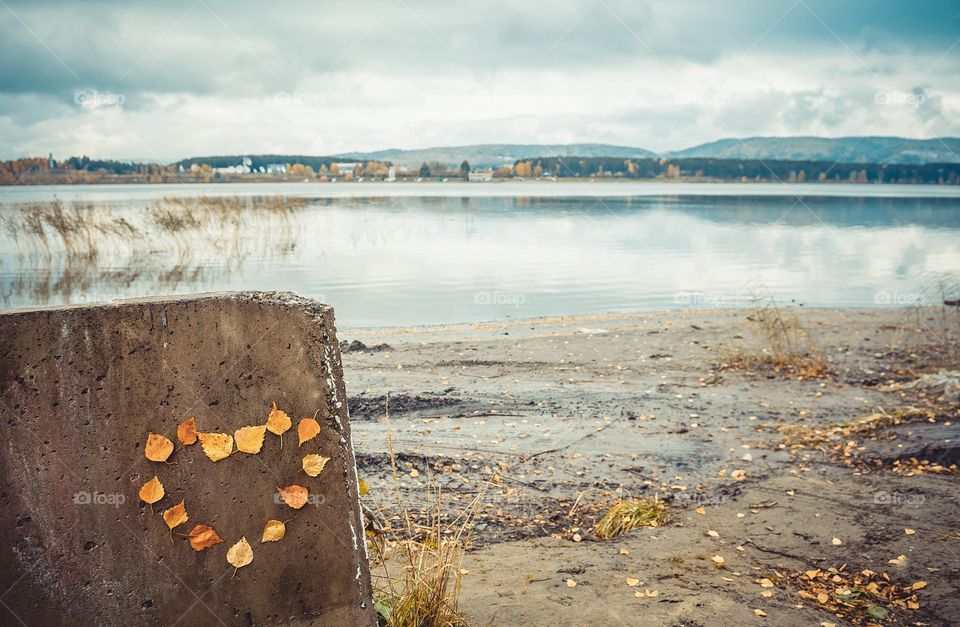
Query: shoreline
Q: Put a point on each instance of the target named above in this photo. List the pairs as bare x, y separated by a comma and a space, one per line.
429, 189
552, 420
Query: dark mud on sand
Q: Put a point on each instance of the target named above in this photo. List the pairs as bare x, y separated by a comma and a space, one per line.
552, 419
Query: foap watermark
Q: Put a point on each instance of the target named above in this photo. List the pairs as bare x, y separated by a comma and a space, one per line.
899, 98
93, 99
315, 500
300, 98
496, 297
703, 299
898, 298
698, 500
99, 498
899, 499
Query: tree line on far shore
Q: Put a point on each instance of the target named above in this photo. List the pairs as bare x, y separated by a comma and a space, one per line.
38, 170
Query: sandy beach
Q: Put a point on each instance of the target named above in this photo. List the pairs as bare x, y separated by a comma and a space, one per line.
551, 420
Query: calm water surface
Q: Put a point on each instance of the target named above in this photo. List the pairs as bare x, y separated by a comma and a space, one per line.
421, 254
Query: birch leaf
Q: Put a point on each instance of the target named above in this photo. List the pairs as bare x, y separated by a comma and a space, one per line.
274, 530
152, 491
203, 537
307, 430
294, 495
313, 464
216, 446
240, 554
158, 448
278, 421
176, 515
250, 439
187, 431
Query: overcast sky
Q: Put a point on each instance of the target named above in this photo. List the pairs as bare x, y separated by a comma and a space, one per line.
165, 80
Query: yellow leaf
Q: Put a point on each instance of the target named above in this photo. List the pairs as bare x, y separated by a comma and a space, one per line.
274, 530
240, 554
701, 510
313, 464
766, 594
571, 583
633, 582
836, 542
718, 561
278, 421
294, 495
765, 583
362, 487
908, 532
158, 448
811, 573
250, 439
307, 430
624, 552
187, 431
203, 537
822, 597
216, 446
920, 585
176, 515
759, 612
152, 491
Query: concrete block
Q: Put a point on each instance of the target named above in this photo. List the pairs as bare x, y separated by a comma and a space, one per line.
81, 389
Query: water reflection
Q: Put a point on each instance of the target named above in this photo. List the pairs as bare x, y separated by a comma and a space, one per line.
391, 260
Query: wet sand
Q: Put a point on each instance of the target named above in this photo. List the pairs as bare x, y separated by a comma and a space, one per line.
552, 419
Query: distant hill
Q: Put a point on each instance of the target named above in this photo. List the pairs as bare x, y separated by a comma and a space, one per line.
493, 155
897, 150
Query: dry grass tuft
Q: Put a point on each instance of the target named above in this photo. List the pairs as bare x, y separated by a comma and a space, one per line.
786, 344
417, 569
625, 516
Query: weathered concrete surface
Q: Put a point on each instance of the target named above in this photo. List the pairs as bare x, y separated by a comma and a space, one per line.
82, 387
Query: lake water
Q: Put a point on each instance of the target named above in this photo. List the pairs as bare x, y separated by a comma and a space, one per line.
407, 254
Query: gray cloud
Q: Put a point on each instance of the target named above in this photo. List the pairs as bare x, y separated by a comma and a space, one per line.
420, 59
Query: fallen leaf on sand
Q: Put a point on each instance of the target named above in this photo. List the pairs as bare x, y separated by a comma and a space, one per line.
738, 474
278, 421
646, 593
313, 464
250, 439
759, 612
307, 430
919, 585
718, 561
571, 583
152, 491
176, 515
624, 552
766, 594
765, 583
633, 583
712, 533
216, 446
240, 554
908, 532
362, 487
900, 560
203, 537
274, 530
294, 495
187, 431
158, 448
701, 510
836, 542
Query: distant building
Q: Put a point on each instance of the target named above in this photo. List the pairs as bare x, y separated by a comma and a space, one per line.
276, 168
392, 174
480, 176
347, 167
